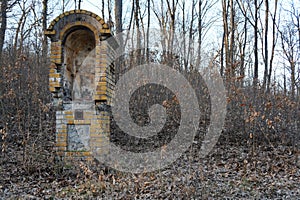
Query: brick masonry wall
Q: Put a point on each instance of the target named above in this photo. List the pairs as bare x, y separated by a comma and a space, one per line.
98, 136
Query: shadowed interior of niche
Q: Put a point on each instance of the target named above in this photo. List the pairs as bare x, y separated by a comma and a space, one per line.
79, 61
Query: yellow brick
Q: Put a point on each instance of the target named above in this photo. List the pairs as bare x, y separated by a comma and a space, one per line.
102, 21
100, 92
55, 56
48, 32
68, 113
61, 140
87, 121
60, 131
95, 124
64, 130
89, 117
62, 134
100, 140
52, 71
78, 23
98, 50
105, 26
90, 159
102, 119
95, 130
60, 151
94, 135
78, 153
87, 153
70, 153
104, 31
100, 97
102, 79
70, 121
54, 84
58, 61
101, 83
69, 117
55, 47
52, 89
86, 113
102, 87
53, 66
54, 75
83, 122
61, 144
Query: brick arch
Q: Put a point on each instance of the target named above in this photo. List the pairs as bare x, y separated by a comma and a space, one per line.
77, 25
85, 12
69, 19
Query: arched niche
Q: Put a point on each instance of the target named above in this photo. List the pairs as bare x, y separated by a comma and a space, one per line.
79, 64
76, 37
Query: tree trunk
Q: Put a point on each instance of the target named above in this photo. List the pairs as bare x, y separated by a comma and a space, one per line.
119, 29
138, 34
45, 41
255, 77
232, 40
172, 13
148, 34
103, 10
226, 38
266, 52
190, 46
200, 27
273, 47
222, 56
3, 26
243, 49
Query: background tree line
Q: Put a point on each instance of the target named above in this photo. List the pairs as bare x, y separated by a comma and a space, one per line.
256, 50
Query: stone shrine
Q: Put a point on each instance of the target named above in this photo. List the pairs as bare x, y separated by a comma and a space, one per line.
81, 81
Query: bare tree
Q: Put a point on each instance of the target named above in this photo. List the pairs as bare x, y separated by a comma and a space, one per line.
44, 25
138, 32
229, 28
172, 7
3, 26
21, 33
204, 24
166, 17
119, 28
253, 19
225, 42
290, 36
265, 45
148, 30
274, 41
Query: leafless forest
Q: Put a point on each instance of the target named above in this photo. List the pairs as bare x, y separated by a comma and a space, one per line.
254, 43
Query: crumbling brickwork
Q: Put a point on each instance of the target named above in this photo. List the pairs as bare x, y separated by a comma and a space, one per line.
81, 80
